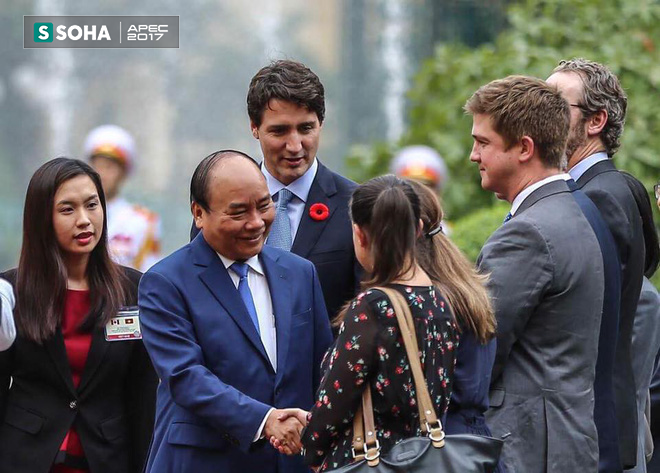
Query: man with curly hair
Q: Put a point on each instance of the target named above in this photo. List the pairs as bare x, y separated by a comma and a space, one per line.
598, 109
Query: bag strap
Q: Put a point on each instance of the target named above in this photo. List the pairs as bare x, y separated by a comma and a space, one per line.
365, 444
429, 421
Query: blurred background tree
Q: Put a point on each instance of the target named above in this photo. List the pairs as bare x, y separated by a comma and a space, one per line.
623, 35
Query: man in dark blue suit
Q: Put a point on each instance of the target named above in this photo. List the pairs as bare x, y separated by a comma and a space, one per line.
609, 460
236, 331
598, 106
286, 105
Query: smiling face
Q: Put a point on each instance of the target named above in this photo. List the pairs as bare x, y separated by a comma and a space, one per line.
289, 137
241, 210
497, 162
77, 216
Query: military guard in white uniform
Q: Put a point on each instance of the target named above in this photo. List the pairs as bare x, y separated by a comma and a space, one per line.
133, 230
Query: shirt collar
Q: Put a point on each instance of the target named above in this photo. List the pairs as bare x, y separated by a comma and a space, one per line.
253, 263
300, 187
584, 165
520, 198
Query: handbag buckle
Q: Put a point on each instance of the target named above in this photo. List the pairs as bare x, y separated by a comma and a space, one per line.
357, 456
372, 454
436, 434
368, 453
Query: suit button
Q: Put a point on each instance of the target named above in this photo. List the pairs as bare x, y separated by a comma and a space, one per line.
73, 404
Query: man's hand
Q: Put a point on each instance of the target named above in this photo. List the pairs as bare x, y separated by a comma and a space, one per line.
299, 414
283, 427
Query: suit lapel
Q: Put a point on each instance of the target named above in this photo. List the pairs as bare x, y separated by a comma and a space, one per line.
217, 280
281, 295
57, 351
554, 187
97, 351
598, 168
309, 230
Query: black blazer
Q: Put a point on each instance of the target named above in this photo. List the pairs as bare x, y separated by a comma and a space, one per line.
112, 409
328, 243
608, 189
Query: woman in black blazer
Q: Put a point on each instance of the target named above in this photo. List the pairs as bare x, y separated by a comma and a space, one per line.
71, 400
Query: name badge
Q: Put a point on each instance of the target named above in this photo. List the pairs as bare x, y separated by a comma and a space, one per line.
124, 326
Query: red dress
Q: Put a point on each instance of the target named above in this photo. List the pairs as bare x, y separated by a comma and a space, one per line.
76, 307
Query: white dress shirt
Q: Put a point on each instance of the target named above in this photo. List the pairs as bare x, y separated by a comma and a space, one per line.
7, 327
300, 190
584, 165
264, 307
262, 303
526, 192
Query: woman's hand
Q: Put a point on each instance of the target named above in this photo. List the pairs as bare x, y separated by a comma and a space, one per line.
280, 445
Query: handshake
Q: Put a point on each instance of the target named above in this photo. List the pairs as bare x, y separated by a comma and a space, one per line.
283, 427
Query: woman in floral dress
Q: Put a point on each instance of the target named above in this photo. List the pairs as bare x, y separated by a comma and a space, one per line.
369, 352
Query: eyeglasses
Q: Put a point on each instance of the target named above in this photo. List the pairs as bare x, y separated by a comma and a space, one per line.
581, 107
656, 189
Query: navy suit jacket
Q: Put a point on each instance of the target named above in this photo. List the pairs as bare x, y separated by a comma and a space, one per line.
604, 406
328, 243
217, 383
609, 191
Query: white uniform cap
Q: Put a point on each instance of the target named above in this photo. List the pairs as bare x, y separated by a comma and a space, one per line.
421, 163
113, 142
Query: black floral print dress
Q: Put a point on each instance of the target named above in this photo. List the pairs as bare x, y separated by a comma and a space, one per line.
369, 352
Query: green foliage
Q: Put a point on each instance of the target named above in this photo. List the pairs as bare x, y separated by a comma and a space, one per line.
364, 162
471, 232
619, 33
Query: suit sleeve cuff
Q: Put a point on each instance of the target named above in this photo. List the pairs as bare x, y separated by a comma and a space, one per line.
259, 433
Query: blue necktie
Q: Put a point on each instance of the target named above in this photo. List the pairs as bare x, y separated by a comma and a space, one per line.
280, 232
507, 218
244, 290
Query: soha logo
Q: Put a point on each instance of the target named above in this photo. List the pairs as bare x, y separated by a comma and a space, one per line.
43, 33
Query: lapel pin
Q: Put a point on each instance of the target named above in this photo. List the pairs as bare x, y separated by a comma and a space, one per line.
319, 212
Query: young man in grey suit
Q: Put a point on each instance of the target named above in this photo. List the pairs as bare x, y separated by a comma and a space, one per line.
598, 110
546, 281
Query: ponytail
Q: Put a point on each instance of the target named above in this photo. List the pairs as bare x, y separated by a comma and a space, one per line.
451, 271
387, 209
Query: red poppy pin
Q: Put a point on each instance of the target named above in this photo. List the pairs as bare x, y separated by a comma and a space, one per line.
319, 211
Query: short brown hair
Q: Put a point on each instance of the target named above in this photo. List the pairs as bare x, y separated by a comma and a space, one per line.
286, 80
525, 106
601, 90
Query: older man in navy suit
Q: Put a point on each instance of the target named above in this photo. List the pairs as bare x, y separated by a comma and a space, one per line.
236, 331
598, 106
286, 105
